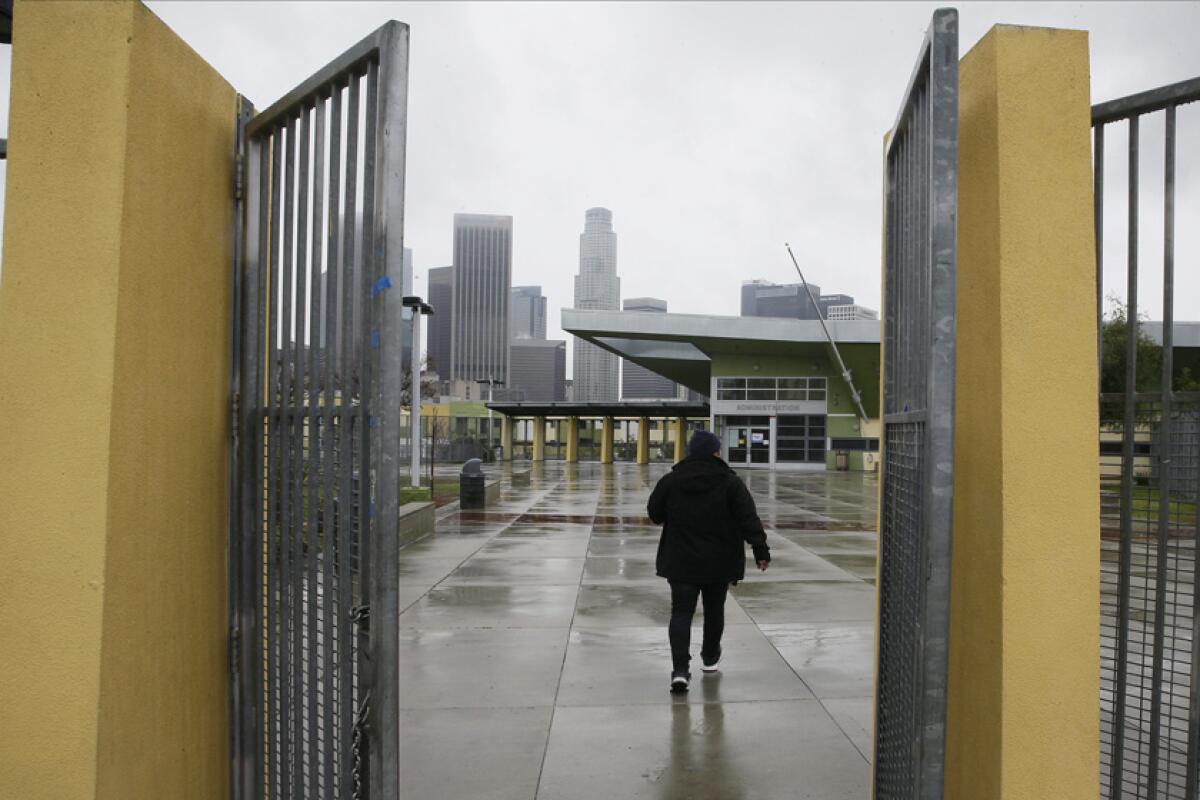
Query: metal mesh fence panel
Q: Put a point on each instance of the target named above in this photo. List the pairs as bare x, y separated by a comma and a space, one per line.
1147, 594
316, 713
898, 713
918, 419
1149, 452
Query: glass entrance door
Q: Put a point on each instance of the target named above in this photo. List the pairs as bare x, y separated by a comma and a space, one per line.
739, 445
760, 446
749, 445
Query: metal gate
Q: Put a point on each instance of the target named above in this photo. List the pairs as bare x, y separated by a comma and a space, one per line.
313, 542
1150, 489
918, 419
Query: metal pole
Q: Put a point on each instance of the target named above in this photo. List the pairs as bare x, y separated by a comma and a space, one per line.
821, 318
415, 417
1128, 432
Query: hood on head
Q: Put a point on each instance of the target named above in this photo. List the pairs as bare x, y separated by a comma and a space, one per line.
699, 474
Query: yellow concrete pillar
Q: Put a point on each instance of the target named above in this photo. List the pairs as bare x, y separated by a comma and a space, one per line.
1023, 714
114, 351
680, 433
643, 440
572, 440
606, 440
539, 438
506, 437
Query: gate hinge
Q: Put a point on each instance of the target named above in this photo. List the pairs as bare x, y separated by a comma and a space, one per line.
239, 176
235, 649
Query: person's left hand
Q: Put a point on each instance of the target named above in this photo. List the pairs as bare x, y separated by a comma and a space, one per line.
762, 565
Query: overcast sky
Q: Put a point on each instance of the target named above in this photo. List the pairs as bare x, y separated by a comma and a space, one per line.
714, 132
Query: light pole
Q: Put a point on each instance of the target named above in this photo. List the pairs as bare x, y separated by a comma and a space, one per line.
419, 309
491, 431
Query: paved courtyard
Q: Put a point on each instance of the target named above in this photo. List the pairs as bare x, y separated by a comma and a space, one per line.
535, 663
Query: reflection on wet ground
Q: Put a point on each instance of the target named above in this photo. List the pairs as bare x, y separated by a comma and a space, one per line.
534, 660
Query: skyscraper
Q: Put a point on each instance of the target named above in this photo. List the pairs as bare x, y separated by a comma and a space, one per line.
790, 300
482, 286
766, 299
528, 314
441, 297
539, 368
596, 287
637, 382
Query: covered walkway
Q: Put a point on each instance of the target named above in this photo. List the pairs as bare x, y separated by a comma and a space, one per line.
641, 431
534, 659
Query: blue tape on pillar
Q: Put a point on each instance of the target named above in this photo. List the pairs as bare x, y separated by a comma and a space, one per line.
383, 283
370, 422
374, 339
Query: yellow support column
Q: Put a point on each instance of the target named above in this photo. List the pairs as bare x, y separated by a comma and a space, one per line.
606, 440
114, 351
573, 440
643, 440
680, 431
506, 437
1023, 716
539, 438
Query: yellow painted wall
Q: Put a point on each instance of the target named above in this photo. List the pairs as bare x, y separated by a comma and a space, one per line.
114, 351
1023, 705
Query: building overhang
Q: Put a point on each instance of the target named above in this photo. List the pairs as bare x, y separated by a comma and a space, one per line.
682, 346
629, 409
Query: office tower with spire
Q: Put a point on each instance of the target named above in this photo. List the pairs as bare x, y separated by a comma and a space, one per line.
595, 371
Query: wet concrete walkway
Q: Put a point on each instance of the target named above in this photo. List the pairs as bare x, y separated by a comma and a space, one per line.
534, 660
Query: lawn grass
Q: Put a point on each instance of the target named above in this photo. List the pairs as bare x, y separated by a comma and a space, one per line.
445, 490
1146, 502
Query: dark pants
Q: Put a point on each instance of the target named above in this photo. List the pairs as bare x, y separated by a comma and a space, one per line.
683, 608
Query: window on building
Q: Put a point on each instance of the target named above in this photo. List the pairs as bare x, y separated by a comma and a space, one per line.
800, 439
856, 443
793, 388
731, 388
768, 389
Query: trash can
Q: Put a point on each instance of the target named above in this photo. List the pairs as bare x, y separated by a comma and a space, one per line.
470, 485
842, 460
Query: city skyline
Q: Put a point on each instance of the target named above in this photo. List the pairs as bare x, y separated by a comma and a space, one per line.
581, 105
528, 308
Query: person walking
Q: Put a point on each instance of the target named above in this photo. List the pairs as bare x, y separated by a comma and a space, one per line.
706, 513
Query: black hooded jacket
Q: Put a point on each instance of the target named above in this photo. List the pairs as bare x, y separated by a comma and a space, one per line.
706, 513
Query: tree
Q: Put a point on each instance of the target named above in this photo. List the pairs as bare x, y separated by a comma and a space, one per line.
429, 386
1113, 356
1113, 366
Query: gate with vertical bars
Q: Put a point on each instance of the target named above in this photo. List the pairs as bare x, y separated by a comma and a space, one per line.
317, 397
1150, 479
918, 420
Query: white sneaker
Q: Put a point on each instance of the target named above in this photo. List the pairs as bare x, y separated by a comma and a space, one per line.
679, 683
707, 667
